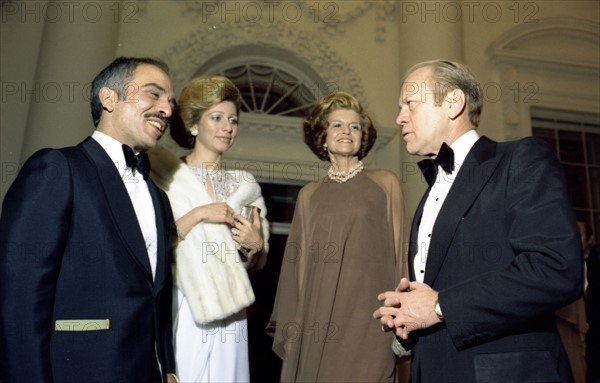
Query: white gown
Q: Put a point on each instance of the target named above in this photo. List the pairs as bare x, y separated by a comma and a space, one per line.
216, 351
212, 288
210, 353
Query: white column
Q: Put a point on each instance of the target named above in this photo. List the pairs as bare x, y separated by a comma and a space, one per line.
79, 39
428, 30
431, 30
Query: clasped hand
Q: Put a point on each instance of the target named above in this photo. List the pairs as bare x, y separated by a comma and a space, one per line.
410, 307
248, 234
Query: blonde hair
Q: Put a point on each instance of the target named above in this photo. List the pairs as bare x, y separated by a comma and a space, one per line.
200, 94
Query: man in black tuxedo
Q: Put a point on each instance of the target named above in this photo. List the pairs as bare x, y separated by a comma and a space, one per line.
85, 281
494, 247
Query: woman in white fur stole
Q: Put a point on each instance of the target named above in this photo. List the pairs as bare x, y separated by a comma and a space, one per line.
217, 246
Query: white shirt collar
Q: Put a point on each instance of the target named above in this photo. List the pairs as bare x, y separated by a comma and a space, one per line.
138, 192
462, 146
112, 147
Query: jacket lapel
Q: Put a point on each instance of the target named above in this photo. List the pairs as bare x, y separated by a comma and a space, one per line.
121, 208
163, 225
414, 231
476, 171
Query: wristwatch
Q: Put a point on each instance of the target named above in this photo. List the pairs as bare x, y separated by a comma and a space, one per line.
438, 310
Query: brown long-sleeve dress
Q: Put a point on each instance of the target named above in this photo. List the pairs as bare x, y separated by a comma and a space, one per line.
347, 244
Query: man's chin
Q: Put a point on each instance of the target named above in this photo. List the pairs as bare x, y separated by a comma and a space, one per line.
152, 142
412, 151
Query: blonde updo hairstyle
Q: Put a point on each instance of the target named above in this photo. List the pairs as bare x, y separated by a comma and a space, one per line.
200, 94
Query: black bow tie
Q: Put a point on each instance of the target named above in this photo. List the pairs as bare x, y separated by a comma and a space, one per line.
138, 162
445, 159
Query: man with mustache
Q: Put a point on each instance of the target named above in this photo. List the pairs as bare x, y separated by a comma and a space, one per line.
85, 281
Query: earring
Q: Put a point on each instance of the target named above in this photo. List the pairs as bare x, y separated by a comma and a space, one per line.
194, 131
325, 148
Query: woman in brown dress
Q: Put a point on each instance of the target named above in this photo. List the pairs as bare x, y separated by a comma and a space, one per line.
346, 243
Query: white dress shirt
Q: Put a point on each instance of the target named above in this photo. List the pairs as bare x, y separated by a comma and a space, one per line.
436, 198
138, 193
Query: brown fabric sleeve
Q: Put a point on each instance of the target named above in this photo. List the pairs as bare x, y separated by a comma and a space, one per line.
283, 324
397, 216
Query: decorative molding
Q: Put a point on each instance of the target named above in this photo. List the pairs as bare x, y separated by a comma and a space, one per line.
267, 124
291, 127
190, 53
327, 15
549, 50
332, 21
298, 171
510, 107
555, 33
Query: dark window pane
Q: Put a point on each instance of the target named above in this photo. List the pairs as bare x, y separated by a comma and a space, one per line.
595, 187
576, 139
593, 148
596, 226
571, 146
577, 185
280, 201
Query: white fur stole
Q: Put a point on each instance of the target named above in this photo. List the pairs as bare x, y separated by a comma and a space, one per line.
207, 266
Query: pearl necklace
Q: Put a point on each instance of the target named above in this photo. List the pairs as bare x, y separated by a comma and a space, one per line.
341, 177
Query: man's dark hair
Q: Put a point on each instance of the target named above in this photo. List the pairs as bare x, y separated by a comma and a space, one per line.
116, 76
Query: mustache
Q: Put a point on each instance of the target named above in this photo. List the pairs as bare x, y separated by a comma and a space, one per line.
164, 119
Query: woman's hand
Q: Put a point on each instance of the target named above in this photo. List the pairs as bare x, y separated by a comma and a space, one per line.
248, 234
216, 212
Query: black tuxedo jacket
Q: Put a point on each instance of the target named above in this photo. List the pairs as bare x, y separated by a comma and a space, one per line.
504, 254
78, 301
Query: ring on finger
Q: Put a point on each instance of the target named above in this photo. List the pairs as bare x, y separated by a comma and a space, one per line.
235, 231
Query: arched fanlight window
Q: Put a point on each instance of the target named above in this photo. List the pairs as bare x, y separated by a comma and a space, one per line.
271, 90
272, 80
